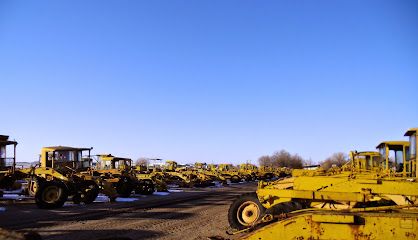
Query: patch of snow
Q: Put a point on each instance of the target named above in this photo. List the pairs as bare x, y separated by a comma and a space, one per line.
217, 185
17, 191
161, 193
120, 199
70, 204
9, 196
102, 198
175, 190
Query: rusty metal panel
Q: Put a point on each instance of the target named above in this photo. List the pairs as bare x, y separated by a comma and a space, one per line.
326, 218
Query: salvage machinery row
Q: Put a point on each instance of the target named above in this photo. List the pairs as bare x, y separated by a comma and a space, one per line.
64, 173
373, 196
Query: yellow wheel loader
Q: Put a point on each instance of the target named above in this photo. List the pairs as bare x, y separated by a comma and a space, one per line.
209, 174
370, 199
230, 172
143, 172
266, 173
58, 177
197, 174
118, 171
174, 175
248, 172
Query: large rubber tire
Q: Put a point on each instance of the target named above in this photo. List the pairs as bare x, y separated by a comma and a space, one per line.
249, 178
245, 211
92, 191
235, 179
87, 192
145, 187
124, 187
51, 194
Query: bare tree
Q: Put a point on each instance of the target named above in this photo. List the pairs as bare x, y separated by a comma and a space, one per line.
281, 158
338, 159
264, 160
142, 161
297, 161
308, 162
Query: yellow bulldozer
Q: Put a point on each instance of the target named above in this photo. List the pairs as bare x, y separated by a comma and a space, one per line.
375, 199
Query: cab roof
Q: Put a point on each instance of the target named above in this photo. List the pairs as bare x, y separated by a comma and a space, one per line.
64, 148
4, 140
411, 131
104, 156
364, 153
3, 143
393, 143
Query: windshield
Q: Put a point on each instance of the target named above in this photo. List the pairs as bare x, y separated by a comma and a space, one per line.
413, 145
376, 161
398, 164
105, 165
2, 151
124, 163
382, 151
66, 158
2, 156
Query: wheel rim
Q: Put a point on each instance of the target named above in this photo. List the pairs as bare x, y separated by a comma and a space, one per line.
51, 194
34, 188
248, 213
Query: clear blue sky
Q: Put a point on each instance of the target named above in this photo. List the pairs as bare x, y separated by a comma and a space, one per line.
214, 81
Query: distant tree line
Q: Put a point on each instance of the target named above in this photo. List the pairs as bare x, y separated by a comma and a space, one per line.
337, 159
283, 158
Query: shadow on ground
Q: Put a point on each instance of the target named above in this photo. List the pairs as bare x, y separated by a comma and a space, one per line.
100, 234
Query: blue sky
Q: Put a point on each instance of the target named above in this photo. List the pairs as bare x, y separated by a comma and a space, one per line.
214, 81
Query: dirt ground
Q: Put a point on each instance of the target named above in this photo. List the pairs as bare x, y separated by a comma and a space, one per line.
192, 214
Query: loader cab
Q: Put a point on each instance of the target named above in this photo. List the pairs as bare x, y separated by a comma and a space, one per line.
266, 169
212, 167
365, 161
395, 157
171, 166
413, 146
109, 162
65, 158
248, 167
226, 167
7, 161
200, 166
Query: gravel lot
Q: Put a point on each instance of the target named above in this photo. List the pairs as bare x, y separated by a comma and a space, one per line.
184, 214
